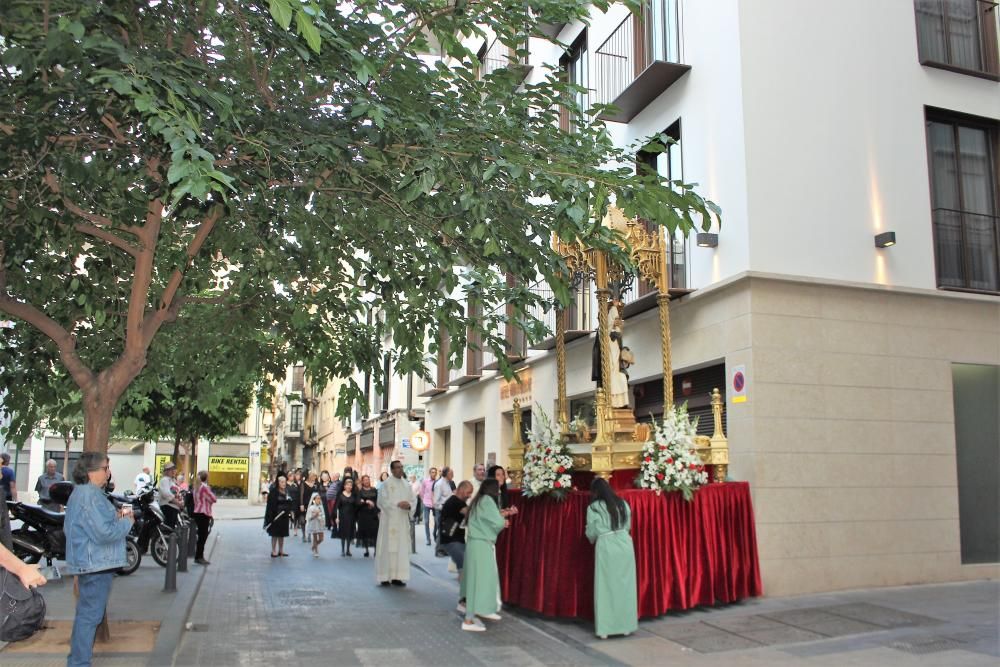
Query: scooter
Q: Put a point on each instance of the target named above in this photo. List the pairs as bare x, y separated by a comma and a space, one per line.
41, 534
151, 530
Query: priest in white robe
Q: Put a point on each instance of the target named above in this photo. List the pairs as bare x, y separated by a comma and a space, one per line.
392, 550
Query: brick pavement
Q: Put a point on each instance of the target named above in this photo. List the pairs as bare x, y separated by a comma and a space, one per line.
254, 610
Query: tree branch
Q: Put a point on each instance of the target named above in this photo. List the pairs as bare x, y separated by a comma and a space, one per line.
64, 341
96, 221
169, 305
107, 236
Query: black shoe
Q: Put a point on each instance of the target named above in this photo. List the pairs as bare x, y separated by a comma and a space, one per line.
397, 582
383, 583
350, 555
366, 554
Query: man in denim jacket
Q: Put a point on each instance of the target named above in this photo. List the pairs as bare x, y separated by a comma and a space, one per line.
95, 548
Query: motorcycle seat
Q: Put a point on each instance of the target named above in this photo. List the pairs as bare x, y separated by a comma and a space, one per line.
44, 515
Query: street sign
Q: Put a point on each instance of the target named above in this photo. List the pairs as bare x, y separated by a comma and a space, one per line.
739, 384
406, 443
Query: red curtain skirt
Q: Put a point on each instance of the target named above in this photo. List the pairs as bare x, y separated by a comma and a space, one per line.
687, 554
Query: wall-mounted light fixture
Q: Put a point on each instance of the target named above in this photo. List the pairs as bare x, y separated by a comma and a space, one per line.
707, 240
885, 239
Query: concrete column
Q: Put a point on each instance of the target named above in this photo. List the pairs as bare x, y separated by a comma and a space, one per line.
149, 455
253, 482
36, 466
203, 453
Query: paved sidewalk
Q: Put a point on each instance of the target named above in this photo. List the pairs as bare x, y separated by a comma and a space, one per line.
255, 610
227, 509
145, 621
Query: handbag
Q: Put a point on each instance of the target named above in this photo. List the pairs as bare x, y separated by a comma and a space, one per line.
22, 610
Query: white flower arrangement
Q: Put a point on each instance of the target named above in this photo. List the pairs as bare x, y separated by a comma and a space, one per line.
669, 461
547, 461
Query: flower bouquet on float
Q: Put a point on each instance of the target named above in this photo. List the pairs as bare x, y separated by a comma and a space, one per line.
547, 462
669, 461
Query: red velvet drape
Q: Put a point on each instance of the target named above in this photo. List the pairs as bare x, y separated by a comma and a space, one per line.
687, 553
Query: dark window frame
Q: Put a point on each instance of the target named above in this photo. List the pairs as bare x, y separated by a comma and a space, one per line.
989, 58
569, 63
957, 120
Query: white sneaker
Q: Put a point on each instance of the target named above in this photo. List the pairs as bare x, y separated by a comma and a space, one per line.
489, 617
475, 626
460, 608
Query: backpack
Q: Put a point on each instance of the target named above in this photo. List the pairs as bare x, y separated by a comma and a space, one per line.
22, 610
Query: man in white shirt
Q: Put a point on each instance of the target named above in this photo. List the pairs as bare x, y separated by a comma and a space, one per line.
142, 480
478, 474
170, 504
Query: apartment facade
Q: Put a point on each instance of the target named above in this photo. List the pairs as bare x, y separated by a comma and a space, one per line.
854, 283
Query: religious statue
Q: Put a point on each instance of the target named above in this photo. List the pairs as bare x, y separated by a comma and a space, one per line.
621, 359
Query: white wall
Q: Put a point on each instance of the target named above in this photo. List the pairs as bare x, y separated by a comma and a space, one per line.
833, 104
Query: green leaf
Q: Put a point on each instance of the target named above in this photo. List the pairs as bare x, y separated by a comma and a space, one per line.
308, 30
281, 10
490, 172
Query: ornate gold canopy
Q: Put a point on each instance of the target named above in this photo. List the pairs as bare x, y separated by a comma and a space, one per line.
618, 439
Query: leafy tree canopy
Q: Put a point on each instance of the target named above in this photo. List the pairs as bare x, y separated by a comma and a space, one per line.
301, 161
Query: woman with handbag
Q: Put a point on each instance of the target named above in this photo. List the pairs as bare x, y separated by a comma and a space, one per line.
367, 514
95, 549
278, 514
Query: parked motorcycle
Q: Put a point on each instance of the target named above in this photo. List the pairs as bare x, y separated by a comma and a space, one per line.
41, 534
151, 530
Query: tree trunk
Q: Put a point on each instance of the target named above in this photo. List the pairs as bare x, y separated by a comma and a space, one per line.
67, 439
177, 448
98, 408
192, 458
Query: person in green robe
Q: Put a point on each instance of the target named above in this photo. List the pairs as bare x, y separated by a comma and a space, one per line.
480, 578
616, 609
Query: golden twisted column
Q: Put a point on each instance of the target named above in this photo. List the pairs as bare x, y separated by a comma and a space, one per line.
563, 417
663, 301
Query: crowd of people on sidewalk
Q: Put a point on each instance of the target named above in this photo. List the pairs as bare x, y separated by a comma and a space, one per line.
461, 520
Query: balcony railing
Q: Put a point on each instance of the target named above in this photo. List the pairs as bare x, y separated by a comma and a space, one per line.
967, 249
499, 56
578, 317
639, 61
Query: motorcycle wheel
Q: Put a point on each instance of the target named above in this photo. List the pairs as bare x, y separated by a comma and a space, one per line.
158, 548
132, 557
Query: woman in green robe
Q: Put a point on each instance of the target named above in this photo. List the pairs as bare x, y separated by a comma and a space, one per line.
480, 579
616, 610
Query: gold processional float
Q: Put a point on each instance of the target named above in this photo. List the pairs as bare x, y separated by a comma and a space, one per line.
617, 438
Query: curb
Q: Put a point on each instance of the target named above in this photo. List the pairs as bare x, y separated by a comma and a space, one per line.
172, 627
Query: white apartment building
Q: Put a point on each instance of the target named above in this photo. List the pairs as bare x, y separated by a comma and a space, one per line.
869, 431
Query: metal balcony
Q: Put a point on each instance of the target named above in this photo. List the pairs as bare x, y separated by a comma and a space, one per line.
639, 61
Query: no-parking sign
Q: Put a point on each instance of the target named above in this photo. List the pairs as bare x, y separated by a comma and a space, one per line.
738, 384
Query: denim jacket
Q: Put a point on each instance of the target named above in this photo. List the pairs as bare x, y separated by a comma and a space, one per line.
95, 535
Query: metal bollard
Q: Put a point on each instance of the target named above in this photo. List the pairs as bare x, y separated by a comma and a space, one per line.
192, 539
182, 548
413, 536
170, 584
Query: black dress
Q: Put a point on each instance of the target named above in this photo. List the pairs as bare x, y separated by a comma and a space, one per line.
279, 509
346, 510
368, 517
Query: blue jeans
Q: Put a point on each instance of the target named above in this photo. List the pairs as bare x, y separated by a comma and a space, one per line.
95, 589
427, 521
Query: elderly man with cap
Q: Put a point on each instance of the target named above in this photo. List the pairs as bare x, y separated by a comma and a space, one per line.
170, 503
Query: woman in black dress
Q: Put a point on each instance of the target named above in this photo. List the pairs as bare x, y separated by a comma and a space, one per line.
345, 508
307, 487
278, 514
367, 514
500, 475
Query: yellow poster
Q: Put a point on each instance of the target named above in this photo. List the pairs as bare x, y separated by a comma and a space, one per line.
228, 464
161, 461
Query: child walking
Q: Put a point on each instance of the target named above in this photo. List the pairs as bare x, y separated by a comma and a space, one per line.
315, 522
